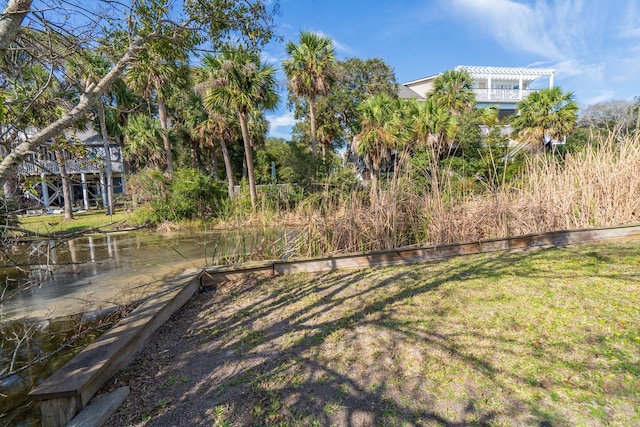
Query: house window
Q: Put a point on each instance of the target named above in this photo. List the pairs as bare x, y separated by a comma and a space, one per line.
117, 185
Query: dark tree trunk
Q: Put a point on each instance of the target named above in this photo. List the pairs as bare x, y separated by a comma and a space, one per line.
108, 171
162, 115
227, 167
66, 187
249, 157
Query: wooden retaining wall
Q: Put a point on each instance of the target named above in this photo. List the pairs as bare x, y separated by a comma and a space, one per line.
416, 254
69, 389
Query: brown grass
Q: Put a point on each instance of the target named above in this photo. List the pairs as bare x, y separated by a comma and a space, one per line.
594, 188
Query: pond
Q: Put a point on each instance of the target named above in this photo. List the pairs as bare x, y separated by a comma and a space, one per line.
93, 272
52, 288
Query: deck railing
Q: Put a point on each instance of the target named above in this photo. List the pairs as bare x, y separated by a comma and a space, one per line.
501, 95
93, 162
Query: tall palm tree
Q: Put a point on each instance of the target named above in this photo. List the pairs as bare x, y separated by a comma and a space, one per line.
546, 115
452, 92
154, 72
219, 126
309, 70
236, 79
380, 122
432, 125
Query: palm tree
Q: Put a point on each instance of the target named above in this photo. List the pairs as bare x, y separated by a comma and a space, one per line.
142, 135
453, 91
432, 125
236, 79
155, 70
545, 116
219, 125
309, 70
380, 121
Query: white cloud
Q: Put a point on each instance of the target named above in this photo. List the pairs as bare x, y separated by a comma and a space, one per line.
591, 45
574, 68
629, 33
280, 125
269, 58
517, 26
340, 47
601, 97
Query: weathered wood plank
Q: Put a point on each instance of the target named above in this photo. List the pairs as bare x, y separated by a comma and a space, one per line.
83, 375
436, 252
58, 412
215, 275
100, 409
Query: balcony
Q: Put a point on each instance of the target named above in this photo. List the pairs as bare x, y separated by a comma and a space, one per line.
92, 163
501, 95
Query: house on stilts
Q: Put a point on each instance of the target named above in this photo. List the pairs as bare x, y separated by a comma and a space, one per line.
84, 162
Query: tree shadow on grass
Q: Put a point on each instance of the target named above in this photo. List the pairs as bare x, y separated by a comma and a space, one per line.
331, 349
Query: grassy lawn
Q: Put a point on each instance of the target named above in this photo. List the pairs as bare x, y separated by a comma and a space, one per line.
83, 221
545, 338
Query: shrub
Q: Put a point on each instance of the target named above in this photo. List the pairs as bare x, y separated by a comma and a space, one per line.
187, 194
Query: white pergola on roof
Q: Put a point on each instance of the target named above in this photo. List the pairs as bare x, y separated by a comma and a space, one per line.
506, 73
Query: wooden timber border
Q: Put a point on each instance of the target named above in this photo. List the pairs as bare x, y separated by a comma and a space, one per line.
422, 253
69, 390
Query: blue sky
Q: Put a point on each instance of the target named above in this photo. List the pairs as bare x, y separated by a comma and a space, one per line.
594, 45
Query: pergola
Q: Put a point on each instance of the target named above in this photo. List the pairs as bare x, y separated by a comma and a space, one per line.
490, 75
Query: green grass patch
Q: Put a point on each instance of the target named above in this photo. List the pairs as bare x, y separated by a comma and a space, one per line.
546, 337
82, 221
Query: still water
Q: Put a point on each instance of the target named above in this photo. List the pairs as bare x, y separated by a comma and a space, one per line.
47, 286
95, 272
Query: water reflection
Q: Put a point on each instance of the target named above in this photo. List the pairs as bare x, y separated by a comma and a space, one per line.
94, 272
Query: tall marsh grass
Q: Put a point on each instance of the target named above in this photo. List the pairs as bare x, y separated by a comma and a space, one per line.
597, 187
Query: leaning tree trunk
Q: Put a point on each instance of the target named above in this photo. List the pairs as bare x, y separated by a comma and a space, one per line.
10, 186
11, 21
86, 100
66, 188
162, 115
249, 157
107, 158
227, 167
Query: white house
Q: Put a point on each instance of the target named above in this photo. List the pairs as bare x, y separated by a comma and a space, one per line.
502, 87
87, 172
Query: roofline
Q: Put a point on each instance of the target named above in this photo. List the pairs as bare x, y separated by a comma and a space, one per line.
525, 71
422, 79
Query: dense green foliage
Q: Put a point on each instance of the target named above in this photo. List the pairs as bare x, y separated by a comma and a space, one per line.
186, 194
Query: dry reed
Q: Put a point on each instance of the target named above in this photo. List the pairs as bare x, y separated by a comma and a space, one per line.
597, 187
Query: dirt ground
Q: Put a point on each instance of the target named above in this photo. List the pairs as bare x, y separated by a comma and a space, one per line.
213, 363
